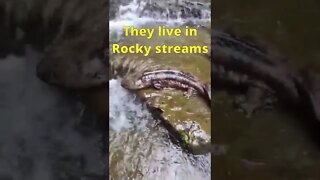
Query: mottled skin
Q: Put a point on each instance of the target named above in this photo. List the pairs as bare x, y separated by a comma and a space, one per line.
72, 32
240, 62
261, 64
257, 94
160, 79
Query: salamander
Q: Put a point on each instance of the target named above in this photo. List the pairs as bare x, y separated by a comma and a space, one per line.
250, 59
160, 79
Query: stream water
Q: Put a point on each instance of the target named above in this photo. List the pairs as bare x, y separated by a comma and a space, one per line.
132, 13
39, 125
139, 147
41, 137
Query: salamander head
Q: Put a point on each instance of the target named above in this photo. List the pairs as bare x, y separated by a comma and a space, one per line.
134, 82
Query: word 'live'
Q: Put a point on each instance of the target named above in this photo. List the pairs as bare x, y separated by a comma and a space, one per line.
162, 31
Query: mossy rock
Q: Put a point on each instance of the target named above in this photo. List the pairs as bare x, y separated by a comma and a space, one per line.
176, 108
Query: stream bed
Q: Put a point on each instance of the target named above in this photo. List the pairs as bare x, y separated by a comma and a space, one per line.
139, 145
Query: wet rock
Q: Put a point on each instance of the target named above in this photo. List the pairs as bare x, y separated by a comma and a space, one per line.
175, 108
176, 9
256, 98
192, 134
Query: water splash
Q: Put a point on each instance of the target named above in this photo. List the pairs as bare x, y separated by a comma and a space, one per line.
141, 149
38, 127
138, 147
123, 108
138, 13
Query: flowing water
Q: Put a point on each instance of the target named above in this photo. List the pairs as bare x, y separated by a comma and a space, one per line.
41, 138
139, 147
132, 13
39, 126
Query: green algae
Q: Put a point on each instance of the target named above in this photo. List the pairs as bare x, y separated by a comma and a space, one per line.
175, 106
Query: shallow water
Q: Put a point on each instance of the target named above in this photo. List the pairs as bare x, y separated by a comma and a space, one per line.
129, 13
140, 148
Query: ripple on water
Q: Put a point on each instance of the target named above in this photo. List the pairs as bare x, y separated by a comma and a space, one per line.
140, 149
133, 13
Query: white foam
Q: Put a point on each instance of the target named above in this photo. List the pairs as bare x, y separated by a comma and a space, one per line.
131, 15
124, 112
